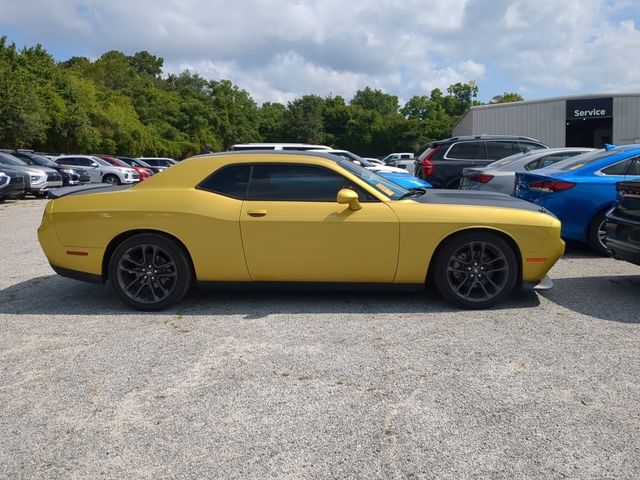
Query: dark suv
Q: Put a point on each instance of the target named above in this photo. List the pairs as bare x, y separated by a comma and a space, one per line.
441, 164
623, 223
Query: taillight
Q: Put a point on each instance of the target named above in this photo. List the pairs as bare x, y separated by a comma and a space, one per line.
427, 166
550, 186
481, 177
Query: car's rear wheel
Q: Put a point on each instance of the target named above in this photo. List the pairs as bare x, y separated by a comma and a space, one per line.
454, 184
150, 272
112, 179
597, 233
475, 269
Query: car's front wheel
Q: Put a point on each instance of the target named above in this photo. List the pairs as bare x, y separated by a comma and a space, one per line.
112, 179
475, 269
150, 271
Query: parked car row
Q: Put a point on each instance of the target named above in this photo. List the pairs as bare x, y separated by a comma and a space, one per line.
397, 175
577, 185
28, 173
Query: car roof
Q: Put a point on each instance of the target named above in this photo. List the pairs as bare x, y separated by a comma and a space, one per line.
462, 138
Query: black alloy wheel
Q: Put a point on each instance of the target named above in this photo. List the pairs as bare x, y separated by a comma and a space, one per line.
150, 272
475, 270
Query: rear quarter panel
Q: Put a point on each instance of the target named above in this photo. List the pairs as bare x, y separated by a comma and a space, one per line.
206, 223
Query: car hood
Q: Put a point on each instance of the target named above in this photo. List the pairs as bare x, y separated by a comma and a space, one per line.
471, 197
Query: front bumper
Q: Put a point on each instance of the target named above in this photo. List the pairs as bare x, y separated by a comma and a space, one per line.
42, 188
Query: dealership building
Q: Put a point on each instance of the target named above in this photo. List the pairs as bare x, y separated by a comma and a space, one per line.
580, 121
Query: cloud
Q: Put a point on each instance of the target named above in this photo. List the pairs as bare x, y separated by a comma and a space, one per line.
278, 50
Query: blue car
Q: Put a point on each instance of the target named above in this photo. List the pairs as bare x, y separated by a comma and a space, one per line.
405, 180
579, 191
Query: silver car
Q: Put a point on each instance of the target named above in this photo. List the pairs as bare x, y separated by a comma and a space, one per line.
40, 179
100, 170
499, 176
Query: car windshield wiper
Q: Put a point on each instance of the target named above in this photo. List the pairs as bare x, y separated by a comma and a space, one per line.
414, 192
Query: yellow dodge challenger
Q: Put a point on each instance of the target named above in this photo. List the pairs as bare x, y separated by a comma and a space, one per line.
303, 219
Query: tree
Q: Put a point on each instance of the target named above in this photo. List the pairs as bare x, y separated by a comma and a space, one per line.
335, 118
508, 97
236, 113
460, 98
376, 100
146, 64
303, 121
271, 122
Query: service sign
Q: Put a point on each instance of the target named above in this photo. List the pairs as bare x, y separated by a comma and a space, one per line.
590, 108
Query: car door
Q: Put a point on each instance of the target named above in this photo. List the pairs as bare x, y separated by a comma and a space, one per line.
293, 229
95, 172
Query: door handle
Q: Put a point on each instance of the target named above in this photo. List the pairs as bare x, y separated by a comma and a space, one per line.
257, 213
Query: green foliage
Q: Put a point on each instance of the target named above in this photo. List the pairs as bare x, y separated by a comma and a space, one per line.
508, 97
303, 120
376, 100
121, 104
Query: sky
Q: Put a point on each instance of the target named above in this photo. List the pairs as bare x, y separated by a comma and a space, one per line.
279, 50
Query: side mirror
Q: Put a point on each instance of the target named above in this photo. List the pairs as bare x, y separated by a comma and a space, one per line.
94, 164
357, 162
348, 196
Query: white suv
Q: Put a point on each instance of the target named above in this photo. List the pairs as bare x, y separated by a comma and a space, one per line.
401, 160
100, 170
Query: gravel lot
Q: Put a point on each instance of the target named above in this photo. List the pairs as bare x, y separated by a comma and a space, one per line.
322, 385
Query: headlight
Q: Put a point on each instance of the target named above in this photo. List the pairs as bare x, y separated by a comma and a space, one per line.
68, 170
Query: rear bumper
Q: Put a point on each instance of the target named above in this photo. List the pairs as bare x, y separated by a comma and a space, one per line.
624, 251
77, 275
623, 238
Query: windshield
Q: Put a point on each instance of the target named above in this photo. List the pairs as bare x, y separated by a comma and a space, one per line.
42, 161
134, 163
101, 161
382, 185
580, 161
11, 160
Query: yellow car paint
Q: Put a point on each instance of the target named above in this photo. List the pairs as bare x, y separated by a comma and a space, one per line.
229, 239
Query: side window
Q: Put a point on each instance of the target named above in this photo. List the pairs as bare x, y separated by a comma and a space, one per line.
527, 147
231, 181
467, 151
68, 161
634, 168
85, 162
619, 168
295, 183
498, 150
548, 160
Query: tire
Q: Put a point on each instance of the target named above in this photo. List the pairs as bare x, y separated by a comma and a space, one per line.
596, 234
150, 272
475, 270
112, 179
454, 184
